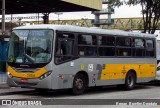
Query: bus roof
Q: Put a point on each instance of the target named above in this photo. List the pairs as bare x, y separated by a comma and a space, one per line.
72, 28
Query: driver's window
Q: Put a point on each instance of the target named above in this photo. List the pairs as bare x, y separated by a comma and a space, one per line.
59, 50
64, 47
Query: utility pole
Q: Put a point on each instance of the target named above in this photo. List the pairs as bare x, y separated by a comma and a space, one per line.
3, 17
58, 13
46, 18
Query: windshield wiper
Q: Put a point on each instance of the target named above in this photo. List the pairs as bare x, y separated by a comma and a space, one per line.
30, 58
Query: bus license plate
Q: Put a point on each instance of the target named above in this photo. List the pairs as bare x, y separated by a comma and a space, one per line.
24, 80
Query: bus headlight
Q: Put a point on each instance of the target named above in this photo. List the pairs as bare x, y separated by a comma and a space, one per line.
45, 75
9, 75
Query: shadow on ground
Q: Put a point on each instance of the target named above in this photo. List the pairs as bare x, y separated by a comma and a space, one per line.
89, 91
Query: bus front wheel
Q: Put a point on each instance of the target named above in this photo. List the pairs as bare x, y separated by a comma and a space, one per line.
78, 84
130, 80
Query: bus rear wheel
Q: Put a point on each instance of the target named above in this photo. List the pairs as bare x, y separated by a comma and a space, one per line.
79, 84
130, 80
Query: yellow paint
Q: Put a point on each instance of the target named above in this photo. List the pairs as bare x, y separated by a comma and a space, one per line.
82, 67
36, 74
94, 4
119, 71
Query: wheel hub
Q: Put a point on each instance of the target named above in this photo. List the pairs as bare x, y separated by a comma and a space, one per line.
130, 80
79, 83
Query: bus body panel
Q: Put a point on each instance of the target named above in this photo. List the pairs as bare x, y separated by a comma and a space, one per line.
100, 70
113, 72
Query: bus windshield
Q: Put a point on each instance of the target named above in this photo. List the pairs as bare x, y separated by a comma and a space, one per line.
30, 46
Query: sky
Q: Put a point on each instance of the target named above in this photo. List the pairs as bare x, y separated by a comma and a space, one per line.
121, 12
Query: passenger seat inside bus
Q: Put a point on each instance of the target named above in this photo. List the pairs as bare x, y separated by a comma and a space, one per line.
90, 51
43, 57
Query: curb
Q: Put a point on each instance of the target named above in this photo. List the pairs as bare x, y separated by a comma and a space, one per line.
4, 86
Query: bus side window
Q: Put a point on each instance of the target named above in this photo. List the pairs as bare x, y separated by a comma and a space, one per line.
150, 48
106, 45
138, 47
87, 45
64, 47
58, 48
67, 47
90, 51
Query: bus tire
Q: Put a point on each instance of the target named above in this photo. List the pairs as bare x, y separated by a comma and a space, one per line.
79, 84
130, 80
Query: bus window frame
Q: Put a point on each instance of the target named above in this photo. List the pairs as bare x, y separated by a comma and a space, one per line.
82, 45
154, 47
144, 48
123, 47
131, 47
55, 44
106, 46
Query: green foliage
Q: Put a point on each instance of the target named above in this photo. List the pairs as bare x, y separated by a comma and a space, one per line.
132, 2
140, 26
115, 3
158, 26
150, 11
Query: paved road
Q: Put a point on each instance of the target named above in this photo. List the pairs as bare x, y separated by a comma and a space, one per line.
143, 91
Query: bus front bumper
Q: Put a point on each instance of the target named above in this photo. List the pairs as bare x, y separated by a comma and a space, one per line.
29, 83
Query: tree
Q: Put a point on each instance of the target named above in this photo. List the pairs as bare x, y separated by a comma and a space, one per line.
150, 12
115, 2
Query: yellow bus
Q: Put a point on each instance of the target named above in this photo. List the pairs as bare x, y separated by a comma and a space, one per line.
71, 57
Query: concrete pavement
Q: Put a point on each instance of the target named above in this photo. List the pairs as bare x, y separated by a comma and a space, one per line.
3, 81
4, 86
3, 78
